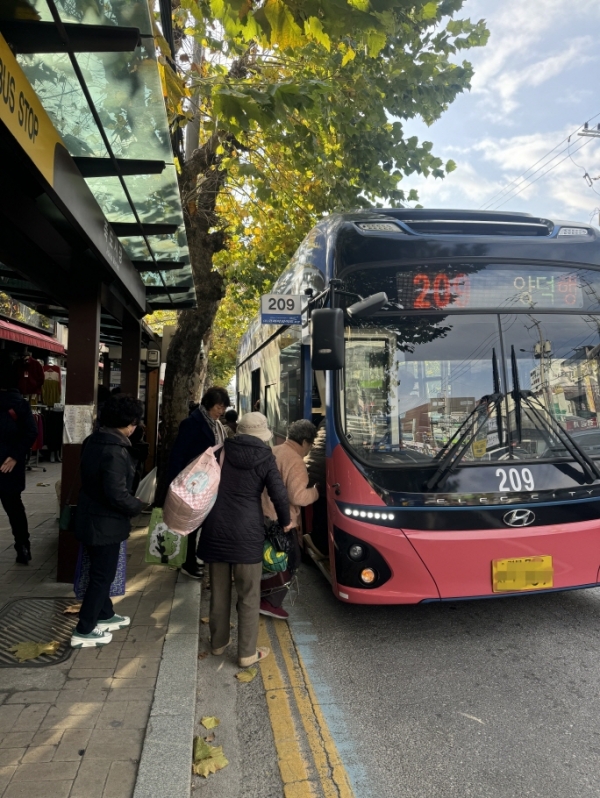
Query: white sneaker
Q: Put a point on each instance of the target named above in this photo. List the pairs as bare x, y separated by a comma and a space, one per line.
96, 638
114, 624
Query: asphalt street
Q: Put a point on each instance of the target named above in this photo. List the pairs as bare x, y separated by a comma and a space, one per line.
481, 699
490, 699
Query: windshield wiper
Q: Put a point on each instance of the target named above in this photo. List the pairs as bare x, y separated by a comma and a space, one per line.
546, 419
449, 458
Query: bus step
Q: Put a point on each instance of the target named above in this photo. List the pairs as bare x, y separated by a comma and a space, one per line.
319, 560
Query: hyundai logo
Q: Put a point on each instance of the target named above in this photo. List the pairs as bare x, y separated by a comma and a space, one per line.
519, 518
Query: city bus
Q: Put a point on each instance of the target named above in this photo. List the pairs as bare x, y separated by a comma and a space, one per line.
453, 360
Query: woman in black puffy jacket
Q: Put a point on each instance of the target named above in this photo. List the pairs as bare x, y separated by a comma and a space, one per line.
104, 511
233, 535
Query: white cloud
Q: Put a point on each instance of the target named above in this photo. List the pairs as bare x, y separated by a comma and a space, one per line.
516, 55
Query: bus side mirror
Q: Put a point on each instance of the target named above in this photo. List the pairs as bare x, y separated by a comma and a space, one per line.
328, 348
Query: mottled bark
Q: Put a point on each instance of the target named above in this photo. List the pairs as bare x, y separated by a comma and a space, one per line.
200, 182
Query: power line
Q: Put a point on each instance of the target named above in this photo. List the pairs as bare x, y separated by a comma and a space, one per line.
527, 185
521, 177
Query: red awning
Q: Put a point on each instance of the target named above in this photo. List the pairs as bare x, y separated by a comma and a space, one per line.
12, 332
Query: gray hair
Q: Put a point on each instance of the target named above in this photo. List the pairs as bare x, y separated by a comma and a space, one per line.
303, 430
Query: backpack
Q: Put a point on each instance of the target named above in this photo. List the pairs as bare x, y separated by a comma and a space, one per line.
192, 493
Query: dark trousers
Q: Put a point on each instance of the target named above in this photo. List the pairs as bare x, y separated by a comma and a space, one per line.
190, 563
96, 605
13, 507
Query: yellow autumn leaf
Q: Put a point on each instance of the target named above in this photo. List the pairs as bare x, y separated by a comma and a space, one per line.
246, 675
207, 758
30, 650
72, 609
210, 722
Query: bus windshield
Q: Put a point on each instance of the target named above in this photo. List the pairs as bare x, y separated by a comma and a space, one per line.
411, 381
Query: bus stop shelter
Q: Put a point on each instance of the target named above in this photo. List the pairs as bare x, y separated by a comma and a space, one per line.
91, 224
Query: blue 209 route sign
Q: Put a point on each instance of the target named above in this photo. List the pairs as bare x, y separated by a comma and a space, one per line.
281, 309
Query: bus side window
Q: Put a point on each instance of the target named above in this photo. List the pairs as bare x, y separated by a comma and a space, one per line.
256, 390
290, 400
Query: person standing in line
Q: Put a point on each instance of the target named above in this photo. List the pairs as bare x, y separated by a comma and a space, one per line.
105, 508
197, 432
233, 535
289, 457
230, 423
18, 432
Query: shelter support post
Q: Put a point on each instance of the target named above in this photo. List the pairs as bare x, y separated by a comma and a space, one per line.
130, 360
82, 383
152, 394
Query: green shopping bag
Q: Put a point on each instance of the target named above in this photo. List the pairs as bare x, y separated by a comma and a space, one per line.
164, 547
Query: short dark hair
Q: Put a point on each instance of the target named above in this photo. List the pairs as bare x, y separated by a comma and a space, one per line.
302, 430
120, 411
231, 415
215, 396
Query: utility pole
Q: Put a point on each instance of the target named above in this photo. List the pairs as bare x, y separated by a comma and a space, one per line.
592, 134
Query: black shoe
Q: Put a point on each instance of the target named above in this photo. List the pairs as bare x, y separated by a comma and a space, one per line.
194, 573
23, 555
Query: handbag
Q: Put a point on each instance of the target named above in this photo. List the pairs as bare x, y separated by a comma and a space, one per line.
82, 572
147, 488
280, 540
163, 546
192, 493
273, 561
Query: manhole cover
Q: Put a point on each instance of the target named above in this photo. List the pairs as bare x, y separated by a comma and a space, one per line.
39, 620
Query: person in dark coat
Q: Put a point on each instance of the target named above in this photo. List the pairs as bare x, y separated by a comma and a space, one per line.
197, 432
103, 519
18, 432
233, 535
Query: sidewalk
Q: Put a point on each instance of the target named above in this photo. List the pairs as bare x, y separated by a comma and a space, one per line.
76, 729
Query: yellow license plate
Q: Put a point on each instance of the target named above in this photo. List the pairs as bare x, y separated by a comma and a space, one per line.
522, 573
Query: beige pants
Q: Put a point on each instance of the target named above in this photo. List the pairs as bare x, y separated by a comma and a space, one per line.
247, 585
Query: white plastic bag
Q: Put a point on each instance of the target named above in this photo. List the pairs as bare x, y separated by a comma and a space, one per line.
147, 488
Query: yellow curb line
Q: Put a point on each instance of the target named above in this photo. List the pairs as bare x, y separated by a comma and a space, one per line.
295, 685
292, 764
332, 773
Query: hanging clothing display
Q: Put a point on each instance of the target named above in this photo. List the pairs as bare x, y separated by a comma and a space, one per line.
31, 376
50, 392
52, 373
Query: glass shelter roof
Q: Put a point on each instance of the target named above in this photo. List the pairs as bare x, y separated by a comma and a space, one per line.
111, 115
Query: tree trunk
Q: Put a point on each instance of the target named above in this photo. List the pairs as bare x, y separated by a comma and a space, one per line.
200, 182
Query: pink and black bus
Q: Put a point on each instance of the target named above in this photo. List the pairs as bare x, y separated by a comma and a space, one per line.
454, 359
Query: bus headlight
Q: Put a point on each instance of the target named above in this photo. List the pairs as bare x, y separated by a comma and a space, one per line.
367, 576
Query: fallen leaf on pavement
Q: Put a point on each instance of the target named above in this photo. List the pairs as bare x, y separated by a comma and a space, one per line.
207, 758
203, 655
30, 650
72, 609
204, 620
246, 675
43, 485
210, 738
210, 722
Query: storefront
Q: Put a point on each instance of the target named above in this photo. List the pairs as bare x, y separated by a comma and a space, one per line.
91, 225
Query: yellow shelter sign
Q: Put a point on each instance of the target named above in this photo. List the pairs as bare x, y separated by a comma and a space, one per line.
24, 115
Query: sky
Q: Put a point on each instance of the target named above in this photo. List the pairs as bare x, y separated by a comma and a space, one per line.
536, 82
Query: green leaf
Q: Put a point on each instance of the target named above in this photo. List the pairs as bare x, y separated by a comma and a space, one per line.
246, 675
362, 5
375, 43
207, 758
210, 722
450, 166
284, 31
429, 10
30, 650
313, 28
349, 55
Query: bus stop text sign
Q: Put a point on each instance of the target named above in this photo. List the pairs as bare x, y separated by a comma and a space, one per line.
281, 309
